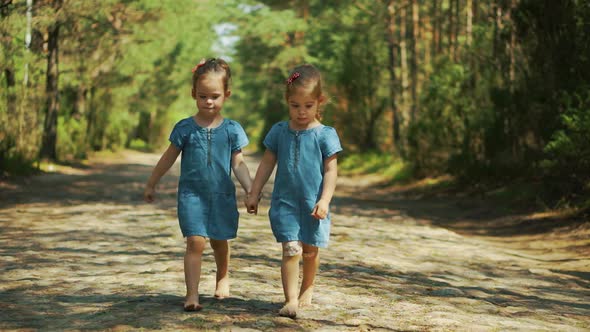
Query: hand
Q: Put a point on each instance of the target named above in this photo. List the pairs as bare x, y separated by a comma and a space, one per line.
149, 194
252, 203
320, 210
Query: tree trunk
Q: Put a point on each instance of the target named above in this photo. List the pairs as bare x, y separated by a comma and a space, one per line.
91, 118
403, 62
8, 67
48, 147
435, 32
457, 32
81, 100
10, 86
414, 60
512, 46
451, 30
436, 35
303, 6
516, 146
497, 29
469, 25
423, 28
28, 38
471, 16
393, 48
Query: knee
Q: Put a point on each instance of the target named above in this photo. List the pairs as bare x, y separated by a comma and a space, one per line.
195, 244
219, 245
310, 253
292, 248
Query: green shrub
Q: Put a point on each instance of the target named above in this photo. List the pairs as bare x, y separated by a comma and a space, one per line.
392, 168
71, 138
139, 145
568, 152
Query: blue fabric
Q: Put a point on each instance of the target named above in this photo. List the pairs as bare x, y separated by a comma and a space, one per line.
206, 193
298, 181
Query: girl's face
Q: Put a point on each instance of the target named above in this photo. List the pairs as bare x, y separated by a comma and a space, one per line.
210, 94
303, 109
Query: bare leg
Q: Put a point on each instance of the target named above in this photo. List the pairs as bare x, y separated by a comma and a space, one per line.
311, 261
192, 271
290, 278
221, 251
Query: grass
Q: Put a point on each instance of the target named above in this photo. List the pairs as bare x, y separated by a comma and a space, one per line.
140, 145
513, 193
17, 166
393, 169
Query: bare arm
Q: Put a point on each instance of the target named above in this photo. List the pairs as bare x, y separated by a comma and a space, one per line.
241, 170
320, 210
163, 165
269, 160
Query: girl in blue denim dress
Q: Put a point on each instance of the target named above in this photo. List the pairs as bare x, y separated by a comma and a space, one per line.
305, 152
211, 148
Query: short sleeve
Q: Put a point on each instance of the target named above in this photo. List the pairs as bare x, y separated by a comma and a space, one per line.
329, 142
238, 136
179, 134
271, 141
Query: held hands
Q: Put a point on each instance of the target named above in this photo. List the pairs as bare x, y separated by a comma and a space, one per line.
320, 210
252, 203
149, 194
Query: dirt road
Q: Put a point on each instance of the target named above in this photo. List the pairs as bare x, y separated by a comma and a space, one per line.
79, 250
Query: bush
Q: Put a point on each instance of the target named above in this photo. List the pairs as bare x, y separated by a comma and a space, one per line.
389, 166
568, 152
71, 138
139, 145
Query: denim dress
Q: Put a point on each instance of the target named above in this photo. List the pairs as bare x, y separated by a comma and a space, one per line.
299, 181
206, 193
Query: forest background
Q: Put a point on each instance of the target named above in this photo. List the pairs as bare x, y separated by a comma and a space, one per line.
487, 92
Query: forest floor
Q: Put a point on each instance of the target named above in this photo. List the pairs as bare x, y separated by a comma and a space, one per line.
80, 250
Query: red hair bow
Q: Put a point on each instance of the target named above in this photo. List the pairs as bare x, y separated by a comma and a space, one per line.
293, 77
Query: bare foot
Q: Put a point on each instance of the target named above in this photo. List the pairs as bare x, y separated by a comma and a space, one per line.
191, 303
222, 288
289, 310
192, 307
305, 298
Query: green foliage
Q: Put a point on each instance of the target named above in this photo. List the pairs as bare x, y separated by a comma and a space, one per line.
266, 51
117, 60
154, 98
72, 137
16, 165
442, 131
393, 169
362, 81
507, 101
117, 131
568, 152
139, 145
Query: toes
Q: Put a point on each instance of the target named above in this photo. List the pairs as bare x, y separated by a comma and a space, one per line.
288, 311
192, 307
221, 296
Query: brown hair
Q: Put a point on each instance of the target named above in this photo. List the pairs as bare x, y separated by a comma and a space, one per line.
306, 77
212, 65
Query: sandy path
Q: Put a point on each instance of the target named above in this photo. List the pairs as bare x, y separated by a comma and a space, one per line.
81, 251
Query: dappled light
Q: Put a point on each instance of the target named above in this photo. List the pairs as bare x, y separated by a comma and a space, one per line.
83, 251
455, 133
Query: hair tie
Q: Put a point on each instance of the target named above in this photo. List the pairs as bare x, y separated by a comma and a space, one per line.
201, 63
293, 77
